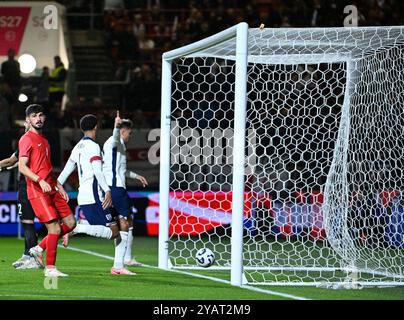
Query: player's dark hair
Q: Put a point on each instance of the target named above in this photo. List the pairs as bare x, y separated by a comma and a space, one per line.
126, 124
33, 108
88, 122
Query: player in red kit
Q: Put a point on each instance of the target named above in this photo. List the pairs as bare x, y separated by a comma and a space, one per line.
47, 197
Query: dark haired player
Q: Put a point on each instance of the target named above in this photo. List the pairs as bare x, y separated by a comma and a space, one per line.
47, 197
94, 196
114, 168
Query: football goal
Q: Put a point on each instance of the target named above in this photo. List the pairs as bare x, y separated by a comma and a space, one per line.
282, 151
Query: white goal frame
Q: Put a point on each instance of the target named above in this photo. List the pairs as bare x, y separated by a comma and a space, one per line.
240, 33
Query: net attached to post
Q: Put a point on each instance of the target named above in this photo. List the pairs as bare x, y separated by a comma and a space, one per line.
324, 159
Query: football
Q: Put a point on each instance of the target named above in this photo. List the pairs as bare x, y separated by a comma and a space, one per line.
205, 257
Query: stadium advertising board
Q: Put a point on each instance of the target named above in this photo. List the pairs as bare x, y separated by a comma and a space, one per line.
9, 214
9, 220
22, 29
193, 213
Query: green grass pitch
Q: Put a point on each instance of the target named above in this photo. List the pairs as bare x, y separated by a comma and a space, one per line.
90, 279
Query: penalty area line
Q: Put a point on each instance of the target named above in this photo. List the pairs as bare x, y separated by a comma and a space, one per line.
247, 287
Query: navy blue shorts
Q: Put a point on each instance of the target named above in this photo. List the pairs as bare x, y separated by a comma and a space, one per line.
121, 202
96, 215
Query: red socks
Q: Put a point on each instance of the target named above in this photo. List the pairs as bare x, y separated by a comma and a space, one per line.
64, 229
42, 244
50, 243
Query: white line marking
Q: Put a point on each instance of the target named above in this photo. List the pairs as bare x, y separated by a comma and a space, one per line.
270, 292
60, 296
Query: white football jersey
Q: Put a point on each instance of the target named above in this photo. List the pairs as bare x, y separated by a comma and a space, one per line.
114, 165
83, 154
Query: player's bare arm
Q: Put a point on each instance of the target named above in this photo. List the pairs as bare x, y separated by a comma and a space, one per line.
118, 120
142, 180
62, 191
132, 175
26, 171
116, 131
15, 165
107, 203
9, 163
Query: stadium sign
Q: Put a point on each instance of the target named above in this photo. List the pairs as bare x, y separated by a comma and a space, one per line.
31, 27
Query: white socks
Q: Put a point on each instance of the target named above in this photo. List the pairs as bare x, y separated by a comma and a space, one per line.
120, 249
95, 231
128, 253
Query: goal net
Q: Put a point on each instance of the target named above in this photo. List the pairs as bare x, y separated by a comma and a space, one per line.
322, 146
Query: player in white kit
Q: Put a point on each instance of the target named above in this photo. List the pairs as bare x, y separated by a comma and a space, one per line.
115, 172
94, 197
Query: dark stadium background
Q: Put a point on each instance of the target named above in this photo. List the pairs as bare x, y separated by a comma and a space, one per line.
121, 69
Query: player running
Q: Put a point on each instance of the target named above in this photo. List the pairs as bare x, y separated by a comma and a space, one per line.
114, 168
47, 197
25, 212
86, 157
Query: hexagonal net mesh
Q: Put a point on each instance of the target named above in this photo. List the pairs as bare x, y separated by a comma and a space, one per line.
323, 196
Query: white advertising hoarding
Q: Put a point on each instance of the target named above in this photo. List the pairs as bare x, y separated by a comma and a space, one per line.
22, 28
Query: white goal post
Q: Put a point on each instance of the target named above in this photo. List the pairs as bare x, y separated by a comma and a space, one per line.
282, 150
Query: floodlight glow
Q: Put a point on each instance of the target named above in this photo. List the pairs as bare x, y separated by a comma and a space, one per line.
22, 97
27, 63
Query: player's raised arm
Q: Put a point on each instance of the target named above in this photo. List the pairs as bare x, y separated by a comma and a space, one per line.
117, 119
117, 126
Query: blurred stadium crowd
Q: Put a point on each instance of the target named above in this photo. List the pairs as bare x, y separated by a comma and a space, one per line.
137, 32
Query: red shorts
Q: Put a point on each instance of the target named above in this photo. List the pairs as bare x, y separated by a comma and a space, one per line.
50, 206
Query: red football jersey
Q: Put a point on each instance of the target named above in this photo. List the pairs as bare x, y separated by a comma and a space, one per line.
36, 148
